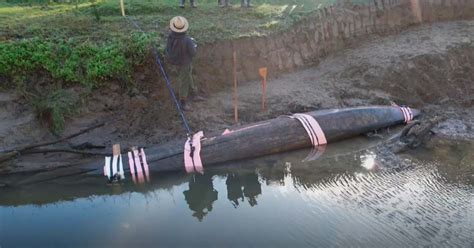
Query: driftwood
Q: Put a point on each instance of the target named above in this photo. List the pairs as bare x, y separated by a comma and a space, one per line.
11, 153
414, 134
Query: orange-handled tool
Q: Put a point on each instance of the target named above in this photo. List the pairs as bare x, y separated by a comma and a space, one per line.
235, 96
263, 73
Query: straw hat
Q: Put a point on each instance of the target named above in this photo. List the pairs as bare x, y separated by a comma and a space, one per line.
179, 24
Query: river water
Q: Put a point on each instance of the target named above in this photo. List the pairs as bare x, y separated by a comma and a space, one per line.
345, 198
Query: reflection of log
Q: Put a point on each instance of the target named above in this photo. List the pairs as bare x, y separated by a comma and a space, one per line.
80, 186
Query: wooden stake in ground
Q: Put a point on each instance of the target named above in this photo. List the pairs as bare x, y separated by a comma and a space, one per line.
122, 7
116, 149
235, 100
263, 73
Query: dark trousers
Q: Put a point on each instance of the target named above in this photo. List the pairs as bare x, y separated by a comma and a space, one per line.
181, 2
184, 76
243, 3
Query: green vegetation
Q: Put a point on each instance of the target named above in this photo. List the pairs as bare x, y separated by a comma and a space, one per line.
208, 22
85, 43
54, 106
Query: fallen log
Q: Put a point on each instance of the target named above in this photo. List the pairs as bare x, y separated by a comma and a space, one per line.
263, 138
273, 136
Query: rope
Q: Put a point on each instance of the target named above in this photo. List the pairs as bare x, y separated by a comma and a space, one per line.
165, 76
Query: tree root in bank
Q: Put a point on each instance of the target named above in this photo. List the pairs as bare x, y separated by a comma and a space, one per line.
66, 150
11, 153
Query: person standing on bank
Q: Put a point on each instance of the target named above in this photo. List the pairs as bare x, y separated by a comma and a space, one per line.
226, 3
245, 3
180, 51
181, 3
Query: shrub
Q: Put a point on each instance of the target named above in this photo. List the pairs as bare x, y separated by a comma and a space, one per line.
54, 106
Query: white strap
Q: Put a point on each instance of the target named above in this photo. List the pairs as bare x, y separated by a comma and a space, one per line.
113, 166
107, 167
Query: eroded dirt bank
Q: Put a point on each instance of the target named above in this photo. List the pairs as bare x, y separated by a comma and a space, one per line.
428, 67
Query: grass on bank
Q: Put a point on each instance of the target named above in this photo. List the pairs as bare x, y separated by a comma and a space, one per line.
86, 43
101, 19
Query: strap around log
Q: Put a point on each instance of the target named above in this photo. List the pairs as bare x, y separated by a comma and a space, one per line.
313, 129
192, 154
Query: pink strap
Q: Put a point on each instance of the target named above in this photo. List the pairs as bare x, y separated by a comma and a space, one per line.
407, 114
226, 132
313, 129
131, 164
145, 164
138, 167
194, 163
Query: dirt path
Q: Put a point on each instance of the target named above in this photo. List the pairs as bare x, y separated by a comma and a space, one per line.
428, 67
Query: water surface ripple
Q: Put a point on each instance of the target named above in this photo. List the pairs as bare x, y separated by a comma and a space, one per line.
328, 202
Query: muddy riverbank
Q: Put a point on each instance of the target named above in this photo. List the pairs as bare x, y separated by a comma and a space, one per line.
428, 67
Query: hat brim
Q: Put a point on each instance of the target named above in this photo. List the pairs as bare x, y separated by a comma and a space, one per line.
182, 30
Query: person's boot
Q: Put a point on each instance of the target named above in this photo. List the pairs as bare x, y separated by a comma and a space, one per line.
192, 4
242, 4
224, 3
198, 98
184, 105
181, 4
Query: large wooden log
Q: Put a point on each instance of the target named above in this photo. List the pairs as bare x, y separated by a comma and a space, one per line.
276, 135
267, 137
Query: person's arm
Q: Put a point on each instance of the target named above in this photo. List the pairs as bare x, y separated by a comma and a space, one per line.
168, 47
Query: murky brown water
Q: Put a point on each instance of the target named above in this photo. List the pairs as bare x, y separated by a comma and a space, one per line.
343, 199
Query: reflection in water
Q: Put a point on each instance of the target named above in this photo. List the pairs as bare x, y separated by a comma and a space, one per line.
200, 195
243, 184
331, 202
234, 189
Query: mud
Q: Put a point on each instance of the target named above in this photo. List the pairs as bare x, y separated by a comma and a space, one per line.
429, 67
